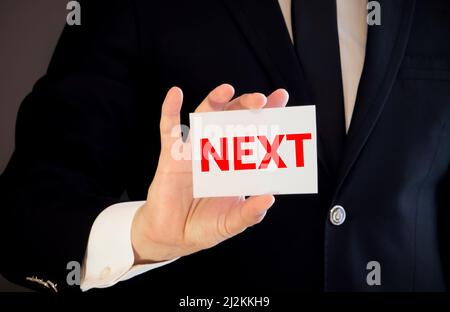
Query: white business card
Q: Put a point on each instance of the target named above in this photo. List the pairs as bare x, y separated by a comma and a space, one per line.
254, 152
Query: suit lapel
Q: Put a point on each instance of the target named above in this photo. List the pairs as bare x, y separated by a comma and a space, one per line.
386, 46
262, 23
267, 34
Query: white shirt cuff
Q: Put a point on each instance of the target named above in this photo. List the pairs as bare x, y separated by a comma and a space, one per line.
109, 256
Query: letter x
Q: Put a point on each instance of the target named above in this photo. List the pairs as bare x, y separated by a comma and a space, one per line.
271, 151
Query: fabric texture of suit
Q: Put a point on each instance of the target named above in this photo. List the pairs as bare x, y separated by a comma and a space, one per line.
89, 132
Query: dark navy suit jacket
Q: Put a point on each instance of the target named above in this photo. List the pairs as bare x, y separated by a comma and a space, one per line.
88, 132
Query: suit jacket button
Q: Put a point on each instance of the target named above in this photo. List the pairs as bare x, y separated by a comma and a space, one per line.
337, 215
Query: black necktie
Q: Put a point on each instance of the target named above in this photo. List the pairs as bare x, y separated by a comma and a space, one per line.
317, 44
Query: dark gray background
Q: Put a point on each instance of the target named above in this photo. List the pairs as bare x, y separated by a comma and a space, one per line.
29, 30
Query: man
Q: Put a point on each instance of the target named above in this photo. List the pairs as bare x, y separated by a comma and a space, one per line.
89, 132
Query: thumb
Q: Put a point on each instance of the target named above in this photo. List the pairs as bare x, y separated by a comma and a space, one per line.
246, 214
170, 117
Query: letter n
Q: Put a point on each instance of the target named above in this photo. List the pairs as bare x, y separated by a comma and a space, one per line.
221, 160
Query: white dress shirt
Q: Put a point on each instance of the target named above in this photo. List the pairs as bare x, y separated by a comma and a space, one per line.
109, 256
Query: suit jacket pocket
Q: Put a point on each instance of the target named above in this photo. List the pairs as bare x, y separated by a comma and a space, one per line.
424, 74
425, 67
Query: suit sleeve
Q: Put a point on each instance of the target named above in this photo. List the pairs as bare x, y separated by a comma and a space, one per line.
74, 143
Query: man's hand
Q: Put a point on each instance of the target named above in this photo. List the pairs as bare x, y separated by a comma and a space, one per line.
172, 223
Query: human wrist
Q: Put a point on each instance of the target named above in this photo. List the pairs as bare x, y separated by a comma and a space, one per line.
145, 250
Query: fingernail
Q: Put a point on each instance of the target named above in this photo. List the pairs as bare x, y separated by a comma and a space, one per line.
223, 93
